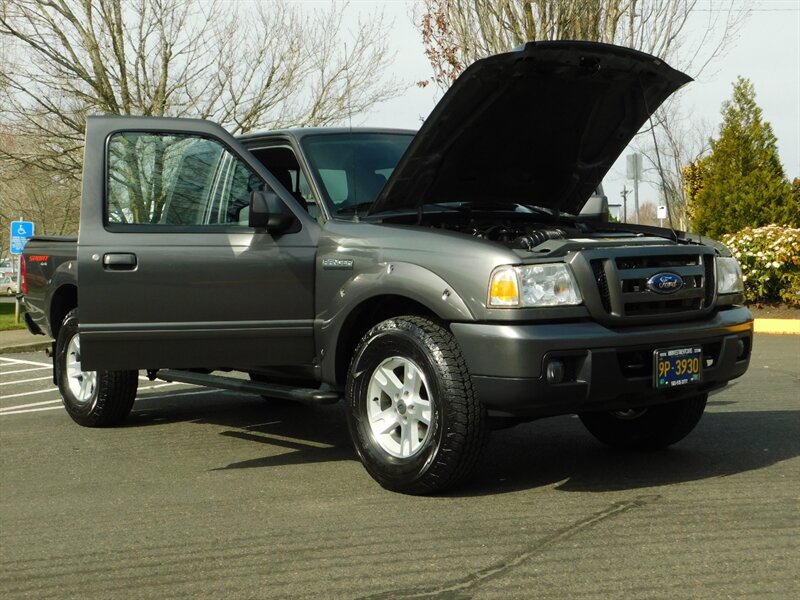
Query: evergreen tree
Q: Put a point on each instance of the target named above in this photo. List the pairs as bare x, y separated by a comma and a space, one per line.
741, 183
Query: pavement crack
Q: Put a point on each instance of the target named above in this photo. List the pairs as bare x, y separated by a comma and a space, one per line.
461, 587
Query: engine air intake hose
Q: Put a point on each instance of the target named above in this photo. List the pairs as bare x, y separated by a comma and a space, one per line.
530, 240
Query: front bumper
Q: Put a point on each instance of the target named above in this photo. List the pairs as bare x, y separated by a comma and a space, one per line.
605, 368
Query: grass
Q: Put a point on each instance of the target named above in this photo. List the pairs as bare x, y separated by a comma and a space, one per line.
7, 317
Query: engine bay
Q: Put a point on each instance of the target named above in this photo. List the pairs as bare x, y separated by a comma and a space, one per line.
520, 231
526, 229
520, 236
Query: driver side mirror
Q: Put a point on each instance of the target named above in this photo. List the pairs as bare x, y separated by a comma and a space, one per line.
268, 212
595, 209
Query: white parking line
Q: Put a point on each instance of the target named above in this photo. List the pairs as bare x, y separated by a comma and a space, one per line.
8, 408
15, 410
50, 389
19, 361
160, 385
45, 391
57, 403
154, 387
29, 410
25, 370
24, 380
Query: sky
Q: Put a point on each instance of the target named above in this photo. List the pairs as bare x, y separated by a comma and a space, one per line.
767, 52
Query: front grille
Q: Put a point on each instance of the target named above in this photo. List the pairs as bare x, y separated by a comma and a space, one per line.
662, 307
621, 279
657, 262
602, 283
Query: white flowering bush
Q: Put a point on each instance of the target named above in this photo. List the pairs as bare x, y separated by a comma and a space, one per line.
770, 259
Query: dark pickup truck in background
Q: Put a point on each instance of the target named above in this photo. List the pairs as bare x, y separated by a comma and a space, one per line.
441, 283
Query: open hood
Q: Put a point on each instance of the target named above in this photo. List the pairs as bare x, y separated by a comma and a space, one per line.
540, 125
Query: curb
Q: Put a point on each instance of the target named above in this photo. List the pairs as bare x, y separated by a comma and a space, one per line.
29, 347
777, 326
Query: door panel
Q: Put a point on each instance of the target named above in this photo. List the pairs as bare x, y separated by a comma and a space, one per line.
170, 275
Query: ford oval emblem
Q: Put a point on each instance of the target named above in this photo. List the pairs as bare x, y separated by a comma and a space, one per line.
665, 283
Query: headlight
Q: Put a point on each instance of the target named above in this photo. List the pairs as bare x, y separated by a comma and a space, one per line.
729, 276
534, 285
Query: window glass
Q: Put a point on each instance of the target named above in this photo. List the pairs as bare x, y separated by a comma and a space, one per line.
175, 180
282, 163
354, 167
305, 189
335, 182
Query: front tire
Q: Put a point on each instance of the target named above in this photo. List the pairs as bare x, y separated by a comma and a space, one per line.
92, 398
646, 428
411, 411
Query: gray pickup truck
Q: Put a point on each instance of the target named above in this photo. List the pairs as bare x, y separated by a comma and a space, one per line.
441, 283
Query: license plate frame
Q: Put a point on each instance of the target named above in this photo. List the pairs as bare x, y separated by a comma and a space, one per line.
669, 370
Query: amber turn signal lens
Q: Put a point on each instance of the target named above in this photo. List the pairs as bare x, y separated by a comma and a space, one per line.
504, 289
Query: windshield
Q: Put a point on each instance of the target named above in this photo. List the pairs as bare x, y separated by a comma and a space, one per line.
353, 167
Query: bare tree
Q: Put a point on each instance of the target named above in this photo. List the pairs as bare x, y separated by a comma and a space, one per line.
458, 32
675, 140
31, 193
266, 65
648, 214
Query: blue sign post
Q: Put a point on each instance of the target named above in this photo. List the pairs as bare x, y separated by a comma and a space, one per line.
21, 232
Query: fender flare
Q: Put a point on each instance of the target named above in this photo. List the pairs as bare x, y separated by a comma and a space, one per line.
392, 278
65, 275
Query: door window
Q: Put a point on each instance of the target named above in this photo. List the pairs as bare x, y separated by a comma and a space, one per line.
282, 163
175, 180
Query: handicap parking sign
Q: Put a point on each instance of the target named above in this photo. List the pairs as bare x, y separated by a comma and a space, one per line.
21, 232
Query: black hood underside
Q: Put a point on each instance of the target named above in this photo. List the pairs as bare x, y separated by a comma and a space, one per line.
540, 126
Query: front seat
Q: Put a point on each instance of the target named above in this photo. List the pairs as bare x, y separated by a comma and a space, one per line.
285, 179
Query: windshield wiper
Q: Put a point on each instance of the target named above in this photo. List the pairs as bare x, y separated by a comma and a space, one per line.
354, 208
472, 205
445, 206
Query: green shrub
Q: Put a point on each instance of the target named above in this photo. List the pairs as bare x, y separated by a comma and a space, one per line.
770, 259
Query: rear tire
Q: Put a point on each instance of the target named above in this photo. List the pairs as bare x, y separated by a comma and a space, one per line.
411, 411
92, 398
647, 428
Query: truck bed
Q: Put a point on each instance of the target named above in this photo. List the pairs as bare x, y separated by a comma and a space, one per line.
50, 266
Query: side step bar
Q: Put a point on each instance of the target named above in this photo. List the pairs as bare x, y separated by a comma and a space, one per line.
271, 390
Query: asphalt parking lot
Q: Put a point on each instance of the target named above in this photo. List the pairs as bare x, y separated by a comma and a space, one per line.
208, 494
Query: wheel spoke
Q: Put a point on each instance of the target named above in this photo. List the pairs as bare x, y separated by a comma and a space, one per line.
409, 438
91, 381
413, 435
388, 382
73, 368
422, 411
385, 421
405, 441
413, 382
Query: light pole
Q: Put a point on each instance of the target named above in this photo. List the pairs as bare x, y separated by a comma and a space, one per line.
635, 172
624, 193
